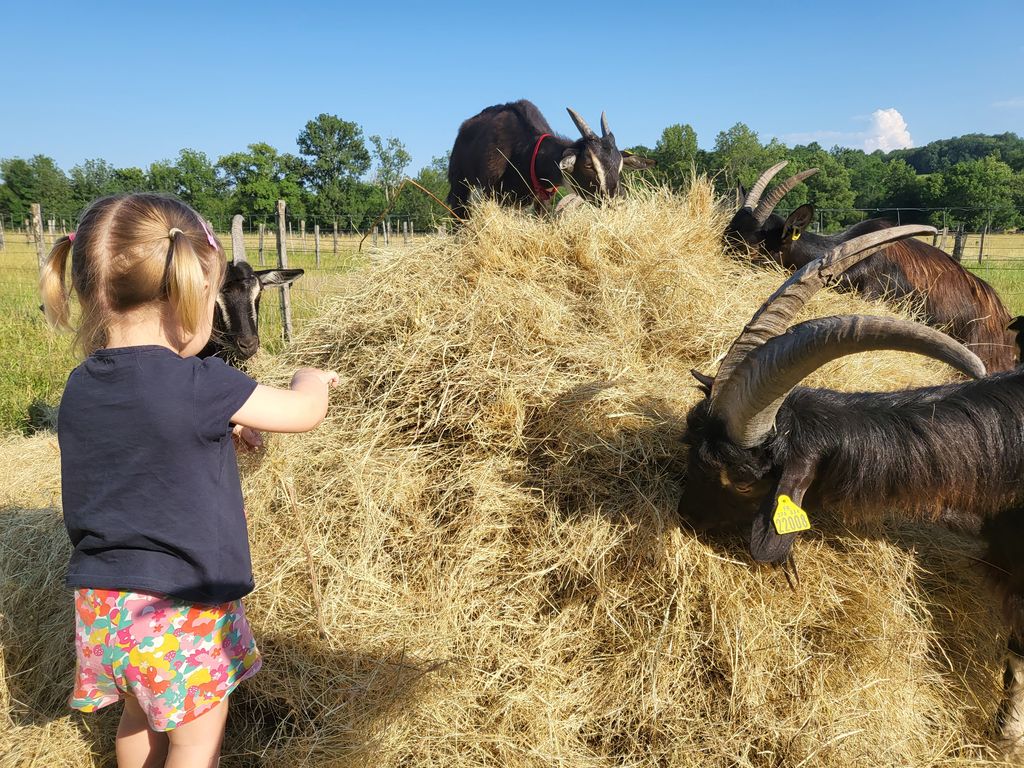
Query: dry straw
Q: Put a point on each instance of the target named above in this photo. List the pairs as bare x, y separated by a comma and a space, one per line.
477, 561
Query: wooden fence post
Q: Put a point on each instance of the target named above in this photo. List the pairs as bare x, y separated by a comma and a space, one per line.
942, 240
405, 233
282, 263
3, 244
959, 238
374, 235
316, 243
263, 228
37, 234
981, 245
237, 239
335, 239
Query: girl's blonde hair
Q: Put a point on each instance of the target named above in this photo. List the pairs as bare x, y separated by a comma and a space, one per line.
129, 251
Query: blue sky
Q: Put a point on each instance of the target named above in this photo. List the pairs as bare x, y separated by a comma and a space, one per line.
134, 83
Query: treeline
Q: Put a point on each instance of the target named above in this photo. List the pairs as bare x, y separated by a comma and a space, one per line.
973, 180
340, 176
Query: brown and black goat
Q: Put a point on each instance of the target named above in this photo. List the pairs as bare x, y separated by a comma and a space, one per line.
953, 299
510, 152
953, 454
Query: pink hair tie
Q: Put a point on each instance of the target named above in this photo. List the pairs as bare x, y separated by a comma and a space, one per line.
71, 237
209, 234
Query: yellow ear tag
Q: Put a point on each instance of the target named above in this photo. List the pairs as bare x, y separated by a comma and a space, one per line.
788, 517
796, 235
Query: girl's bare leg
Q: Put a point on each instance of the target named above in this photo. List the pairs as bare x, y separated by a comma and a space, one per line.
137, 745
196, 744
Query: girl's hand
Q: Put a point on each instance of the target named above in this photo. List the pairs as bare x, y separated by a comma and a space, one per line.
247, 439
330, 378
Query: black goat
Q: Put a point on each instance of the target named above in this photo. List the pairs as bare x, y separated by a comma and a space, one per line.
953, 454
236, 335
509, 151
959, 302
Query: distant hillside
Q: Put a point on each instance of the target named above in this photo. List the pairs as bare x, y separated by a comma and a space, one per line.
944, 153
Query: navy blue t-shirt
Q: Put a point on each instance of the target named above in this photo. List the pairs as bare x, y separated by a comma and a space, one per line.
152, 499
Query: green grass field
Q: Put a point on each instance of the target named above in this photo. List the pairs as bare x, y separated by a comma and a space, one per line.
35, 361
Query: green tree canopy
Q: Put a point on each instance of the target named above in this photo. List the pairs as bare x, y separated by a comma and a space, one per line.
392, 160
334, 159
37, 180
257, 179
980, 192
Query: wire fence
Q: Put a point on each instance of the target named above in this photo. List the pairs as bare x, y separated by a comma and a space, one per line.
328, 249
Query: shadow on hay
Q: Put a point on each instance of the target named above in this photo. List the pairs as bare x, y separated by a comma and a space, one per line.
968, 635
310, 703
600, 449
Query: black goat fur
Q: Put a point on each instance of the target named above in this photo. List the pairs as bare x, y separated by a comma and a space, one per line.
952, 454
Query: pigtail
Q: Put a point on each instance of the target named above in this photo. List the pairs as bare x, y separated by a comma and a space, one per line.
184, 280
53, 285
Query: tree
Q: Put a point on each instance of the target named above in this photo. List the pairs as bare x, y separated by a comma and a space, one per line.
334, 159
257, 179
903, 188
37, 180
829, 189
392, 160
742, 158
866, 175
198, 183
676, 155
92, 179
424, 212
981, 192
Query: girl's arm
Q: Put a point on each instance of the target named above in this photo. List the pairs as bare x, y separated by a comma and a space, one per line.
297, 409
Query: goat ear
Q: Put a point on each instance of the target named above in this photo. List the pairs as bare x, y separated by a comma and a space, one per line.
797, 222
278, 276
629, 160
705, 382
568, 162
1017, 324
766, 544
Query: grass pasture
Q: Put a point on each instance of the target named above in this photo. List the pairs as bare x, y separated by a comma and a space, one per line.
477, 560
35, 361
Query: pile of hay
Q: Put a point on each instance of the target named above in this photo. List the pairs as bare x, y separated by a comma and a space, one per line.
476, 560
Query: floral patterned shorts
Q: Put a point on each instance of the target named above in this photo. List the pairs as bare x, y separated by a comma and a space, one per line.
178, 659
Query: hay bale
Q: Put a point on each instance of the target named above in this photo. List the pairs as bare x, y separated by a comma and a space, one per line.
476, 560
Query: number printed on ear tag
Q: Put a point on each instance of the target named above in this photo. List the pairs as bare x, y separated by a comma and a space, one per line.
788, 517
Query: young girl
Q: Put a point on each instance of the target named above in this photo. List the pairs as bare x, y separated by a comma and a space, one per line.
152, 500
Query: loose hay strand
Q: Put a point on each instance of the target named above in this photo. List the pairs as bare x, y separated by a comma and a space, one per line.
476, 559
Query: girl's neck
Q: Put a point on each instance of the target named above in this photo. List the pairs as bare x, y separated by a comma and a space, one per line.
144, 327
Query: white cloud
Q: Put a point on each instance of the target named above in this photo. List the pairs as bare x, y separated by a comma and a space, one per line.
1016, 103
888, 131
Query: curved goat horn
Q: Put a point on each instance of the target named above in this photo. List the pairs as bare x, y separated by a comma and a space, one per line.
768, 374
581, 124
765, 207
759, 186
605, 130
775, 315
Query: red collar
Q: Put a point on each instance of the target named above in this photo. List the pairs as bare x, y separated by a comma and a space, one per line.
543, 193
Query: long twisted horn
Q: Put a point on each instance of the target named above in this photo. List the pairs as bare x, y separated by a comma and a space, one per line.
759, 186
765, 207
766, 376
775, 315
581, 124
